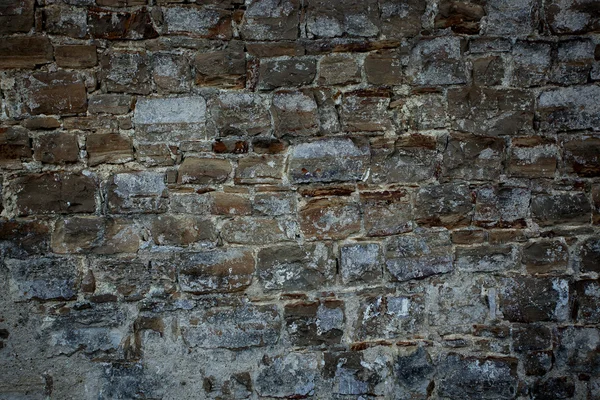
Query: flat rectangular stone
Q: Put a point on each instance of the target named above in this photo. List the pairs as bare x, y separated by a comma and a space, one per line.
175, 118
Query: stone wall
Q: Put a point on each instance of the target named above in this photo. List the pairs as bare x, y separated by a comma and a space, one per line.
328, 199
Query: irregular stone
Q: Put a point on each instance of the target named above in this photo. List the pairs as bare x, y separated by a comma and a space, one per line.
419, 254
22, 238
532, 63
469, 236
202, 22
329, 219
259, 169
16, 16
437, 61
56, 148
268, 20
425, 111
384, 67
181, 230
76, 56
328, 19
557, 388
525, 299
461, 17
216, 271
255, 230
502, 207
65, 20
292, 267
41, 122
569, 108
486, 258
596, 205
571, 17
173, 118
328, 160
239, 327
488, 71
274, 204
87, 235
14, 146
573, 208
484, 44
587, 295
532, 157
473, 157
589, 255
43, 278
574, 62
24, 51
478, 378
414, 371
292, 375
269, 146
294, 114
361, 263
171, 72
545, 256
449, 205
511, 17
224, 68
274, 49
358, 373
229, 204
582, 156
230, 145
293, 72
365, 110
386, 213
203, 171
338, 69
400, 20
531, 337
119, 25
490, 112
240, 114
126, 72
137, 192
108, 148
538, 363
63, 192
314, 323
410, 159
58, 92
577, 349
155, 154
386, 317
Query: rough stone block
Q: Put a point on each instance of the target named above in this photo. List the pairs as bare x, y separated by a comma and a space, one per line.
449, 205
202, 22
292, 267
108, 148
473, 157
65, 20
587, 294
502, 207
203, 171
534, 299
54, 192
419, 254
240, 114
574, 62
265, 20
361, 263
224, 68
24, 51
365, 110
582, 156
328, 160
487, 258
461, 17
288, 376
43, 278
571, 17
76, 56
569, 108
137, 192
386, 213
170, 118
545, 256
16, 16
126, 72
386, 317
488, 71
401, 20
532, 63
478, 378
274, 204
119, 25
511, 17
14, 146
294, 114
293, 72
314, 323
384, 67
329, 219
563, 208
22, 238
58, 92
229, 204
56, 148
328, 19
259, 169
532, 157
216, 271
181, 230
256, 230
437, 61
171, 72
577, 349
238, 327
589, 255
338, 69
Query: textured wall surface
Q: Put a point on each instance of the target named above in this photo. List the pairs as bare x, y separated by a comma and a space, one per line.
328, 199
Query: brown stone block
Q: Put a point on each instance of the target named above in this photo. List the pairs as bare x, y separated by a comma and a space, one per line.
329, 219
76, 56
25, 51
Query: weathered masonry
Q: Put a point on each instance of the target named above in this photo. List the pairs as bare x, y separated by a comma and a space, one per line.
286, 199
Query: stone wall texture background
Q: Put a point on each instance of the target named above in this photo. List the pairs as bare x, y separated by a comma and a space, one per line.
328, 199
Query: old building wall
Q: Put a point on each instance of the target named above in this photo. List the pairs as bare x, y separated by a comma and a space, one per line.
341, 199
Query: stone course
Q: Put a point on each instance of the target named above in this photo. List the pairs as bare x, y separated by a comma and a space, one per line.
300, 199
